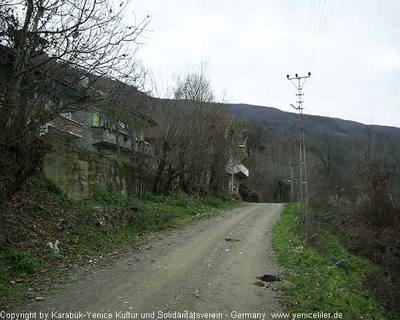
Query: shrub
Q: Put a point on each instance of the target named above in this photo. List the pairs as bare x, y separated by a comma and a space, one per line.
213, 202
22, 261
109, 198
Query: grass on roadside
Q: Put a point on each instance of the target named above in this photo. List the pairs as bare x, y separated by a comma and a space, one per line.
43, 214
152, 213
323, 276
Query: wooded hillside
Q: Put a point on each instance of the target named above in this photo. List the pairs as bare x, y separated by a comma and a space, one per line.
335, 150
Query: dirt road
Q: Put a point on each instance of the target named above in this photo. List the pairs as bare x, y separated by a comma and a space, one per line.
208, 267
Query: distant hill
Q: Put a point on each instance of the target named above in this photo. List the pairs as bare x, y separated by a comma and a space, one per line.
287, 123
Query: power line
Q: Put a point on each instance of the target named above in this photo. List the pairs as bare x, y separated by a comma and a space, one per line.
292, 18
320, 22
314, 33
326, 22
310, 21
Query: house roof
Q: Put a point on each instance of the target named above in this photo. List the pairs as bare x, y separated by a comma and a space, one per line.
238, 169
133, 111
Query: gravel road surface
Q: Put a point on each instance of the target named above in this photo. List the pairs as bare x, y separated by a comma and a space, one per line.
209, 267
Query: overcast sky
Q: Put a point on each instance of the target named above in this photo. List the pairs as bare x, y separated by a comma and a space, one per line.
351, 48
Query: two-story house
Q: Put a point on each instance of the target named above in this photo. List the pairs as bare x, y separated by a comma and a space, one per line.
105, 125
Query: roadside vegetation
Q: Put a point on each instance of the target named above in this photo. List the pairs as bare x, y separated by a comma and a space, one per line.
94, 231
323, 275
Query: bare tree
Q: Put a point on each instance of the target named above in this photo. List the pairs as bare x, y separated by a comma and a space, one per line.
51, 54
192, 147
195, 86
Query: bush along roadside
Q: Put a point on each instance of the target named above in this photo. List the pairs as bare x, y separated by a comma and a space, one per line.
104, 226
323, 276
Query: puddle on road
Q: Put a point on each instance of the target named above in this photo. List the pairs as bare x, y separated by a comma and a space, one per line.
268, 278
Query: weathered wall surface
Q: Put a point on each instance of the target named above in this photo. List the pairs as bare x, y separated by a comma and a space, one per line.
81, 174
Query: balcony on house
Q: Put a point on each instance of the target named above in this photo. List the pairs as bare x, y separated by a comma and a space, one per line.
107, 138
65, 128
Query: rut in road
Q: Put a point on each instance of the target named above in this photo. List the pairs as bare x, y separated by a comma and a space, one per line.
210, 266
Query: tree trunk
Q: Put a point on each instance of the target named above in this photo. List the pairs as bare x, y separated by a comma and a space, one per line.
160, 168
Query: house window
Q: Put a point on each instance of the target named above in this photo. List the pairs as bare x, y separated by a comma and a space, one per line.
96, 119
66, 115
48, 105
121, 126
141, 135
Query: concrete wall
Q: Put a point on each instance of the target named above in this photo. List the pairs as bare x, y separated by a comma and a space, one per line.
80, 174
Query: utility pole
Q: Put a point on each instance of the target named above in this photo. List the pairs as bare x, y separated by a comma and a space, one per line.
291, 183
303, 159
290, 167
